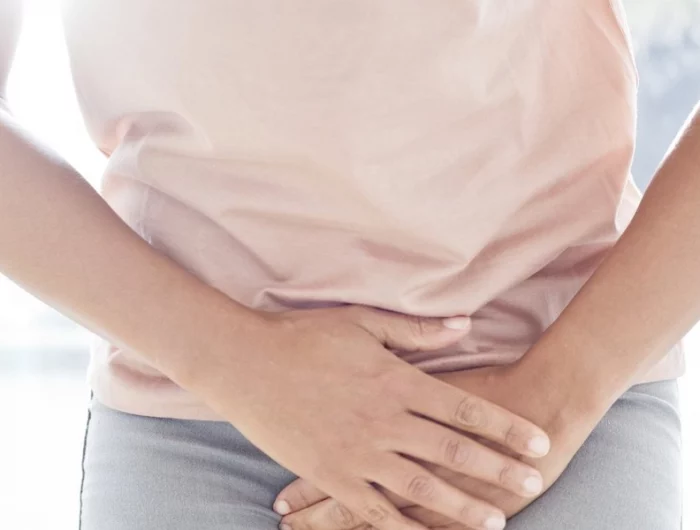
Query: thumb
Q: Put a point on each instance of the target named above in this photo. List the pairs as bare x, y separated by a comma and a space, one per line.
407, 332
296, 496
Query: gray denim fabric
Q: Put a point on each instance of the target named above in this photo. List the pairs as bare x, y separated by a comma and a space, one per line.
144, 473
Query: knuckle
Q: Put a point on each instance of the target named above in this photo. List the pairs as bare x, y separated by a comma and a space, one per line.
424, 326
421, 487
468, 514
513, 437
417, 328
506, 475
296, 523
375, 514
471, 413
456, 453
302, 498
342, 516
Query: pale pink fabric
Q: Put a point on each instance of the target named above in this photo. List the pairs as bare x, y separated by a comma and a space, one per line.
431, 158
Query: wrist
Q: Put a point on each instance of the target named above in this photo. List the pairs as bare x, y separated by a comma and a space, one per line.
571, 388
219, 344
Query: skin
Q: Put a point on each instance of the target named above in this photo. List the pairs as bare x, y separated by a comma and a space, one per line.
643, 299
310, 508
62, 242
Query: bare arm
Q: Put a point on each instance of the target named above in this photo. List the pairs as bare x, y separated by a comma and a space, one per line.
641, 300
62, 242
275, 377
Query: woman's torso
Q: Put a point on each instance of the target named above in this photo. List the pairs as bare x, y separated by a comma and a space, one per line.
431, 158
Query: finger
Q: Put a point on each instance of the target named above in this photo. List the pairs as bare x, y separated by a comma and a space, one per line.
470, 413
362, 505
328, 514
411, 333
296, 496
430, 519
447, 448
433, 520
416, 484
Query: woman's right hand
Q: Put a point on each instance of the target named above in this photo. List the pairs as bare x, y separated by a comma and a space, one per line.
322, 395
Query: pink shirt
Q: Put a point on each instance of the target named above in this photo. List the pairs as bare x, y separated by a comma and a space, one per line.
431, 158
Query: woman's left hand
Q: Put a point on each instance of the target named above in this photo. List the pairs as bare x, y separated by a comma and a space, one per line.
567, 424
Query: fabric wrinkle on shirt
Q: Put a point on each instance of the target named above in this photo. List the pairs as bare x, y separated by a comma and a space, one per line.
430, 158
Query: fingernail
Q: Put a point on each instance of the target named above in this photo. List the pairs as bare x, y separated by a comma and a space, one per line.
285, 526
458, 323
532, 485
495, 522
282, 508
539, 445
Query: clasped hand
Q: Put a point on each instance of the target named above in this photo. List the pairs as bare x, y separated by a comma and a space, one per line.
487, 468
325, 397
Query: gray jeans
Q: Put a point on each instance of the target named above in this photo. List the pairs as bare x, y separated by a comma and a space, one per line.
144, 473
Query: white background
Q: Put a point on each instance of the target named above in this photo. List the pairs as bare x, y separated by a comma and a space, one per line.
43, 356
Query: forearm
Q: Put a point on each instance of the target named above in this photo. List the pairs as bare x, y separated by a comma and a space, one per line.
63, 243
642, 299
